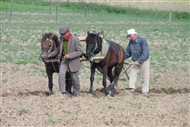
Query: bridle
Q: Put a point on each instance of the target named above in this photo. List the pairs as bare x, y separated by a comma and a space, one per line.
52, 46
94, 49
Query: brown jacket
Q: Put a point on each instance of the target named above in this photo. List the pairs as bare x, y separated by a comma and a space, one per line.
74, 50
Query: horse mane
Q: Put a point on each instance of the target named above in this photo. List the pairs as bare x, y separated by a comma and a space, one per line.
94, 38
114, 47
55, 38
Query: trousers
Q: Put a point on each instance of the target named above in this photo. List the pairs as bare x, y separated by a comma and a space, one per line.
144, 69
62, 78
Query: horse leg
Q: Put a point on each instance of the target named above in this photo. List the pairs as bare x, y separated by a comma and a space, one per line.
104, 79
118, 69
92, 79
68, 83
50, 83
110, 75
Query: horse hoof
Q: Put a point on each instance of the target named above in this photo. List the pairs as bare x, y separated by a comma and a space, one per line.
109, 96
107, 92
89, 94
49, 93
112, 95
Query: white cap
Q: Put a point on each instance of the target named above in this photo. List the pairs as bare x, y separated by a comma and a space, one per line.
131, 31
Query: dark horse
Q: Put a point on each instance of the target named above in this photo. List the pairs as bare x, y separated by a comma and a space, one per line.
49, 43
113, 59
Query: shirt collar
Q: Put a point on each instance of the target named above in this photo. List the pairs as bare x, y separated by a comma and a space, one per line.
137, 39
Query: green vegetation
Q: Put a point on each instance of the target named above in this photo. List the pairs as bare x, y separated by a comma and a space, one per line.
66, 112
50, 121
40, 5
121, 10
111, 107
4, 80
94, 96
22, 111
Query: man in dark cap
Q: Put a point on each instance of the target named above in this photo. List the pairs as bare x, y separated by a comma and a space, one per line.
70, 51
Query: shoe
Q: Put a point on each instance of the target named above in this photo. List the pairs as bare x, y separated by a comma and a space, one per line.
77, 95
131, 90
64, 93
145, 94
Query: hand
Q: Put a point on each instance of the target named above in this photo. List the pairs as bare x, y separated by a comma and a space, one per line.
137, 63
59, 56
48, 56
67, 56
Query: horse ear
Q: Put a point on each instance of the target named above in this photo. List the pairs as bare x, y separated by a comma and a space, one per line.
88, 32
43, 35
101, 34
51, 36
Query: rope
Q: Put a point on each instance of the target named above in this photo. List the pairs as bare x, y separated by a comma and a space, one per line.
96, 71
54, 67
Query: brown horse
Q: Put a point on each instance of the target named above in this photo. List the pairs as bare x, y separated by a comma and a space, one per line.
113, 59
49, 43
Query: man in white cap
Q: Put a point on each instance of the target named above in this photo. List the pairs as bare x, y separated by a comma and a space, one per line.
70, 51
138, 49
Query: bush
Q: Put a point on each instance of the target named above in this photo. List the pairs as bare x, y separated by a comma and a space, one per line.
181, 15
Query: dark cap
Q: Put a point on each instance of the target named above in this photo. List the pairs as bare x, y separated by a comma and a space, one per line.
63, 30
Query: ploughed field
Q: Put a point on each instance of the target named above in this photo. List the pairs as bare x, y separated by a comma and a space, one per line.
24, 82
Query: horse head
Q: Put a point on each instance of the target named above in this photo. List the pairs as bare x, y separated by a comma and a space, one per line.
93, 44
49, 42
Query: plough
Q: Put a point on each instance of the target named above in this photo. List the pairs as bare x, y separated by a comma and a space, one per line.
95, 58
98, 58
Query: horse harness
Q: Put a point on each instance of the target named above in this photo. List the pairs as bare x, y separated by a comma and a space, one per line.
103, 52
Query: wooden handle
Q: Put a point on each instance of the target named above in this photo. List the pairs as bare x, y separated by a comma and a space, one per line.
52, 61
81, 59
93, 58
82, 38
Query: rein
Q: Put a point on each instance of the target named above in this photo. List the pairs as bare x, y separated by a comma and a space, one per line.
53, 46
54, 67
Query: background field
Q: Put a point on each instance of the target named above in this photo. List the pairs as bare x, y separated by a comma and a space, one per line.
24, 80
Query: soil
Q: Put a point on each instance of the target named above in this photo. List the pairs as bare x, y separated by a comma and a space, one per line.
24, 102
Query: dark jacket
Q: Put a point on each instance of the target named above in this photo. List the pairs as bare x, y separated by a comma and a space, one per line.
138, 50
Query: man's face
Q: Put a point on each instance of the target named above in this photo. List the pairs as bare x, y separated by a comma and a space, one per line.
133, 37
64, 36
